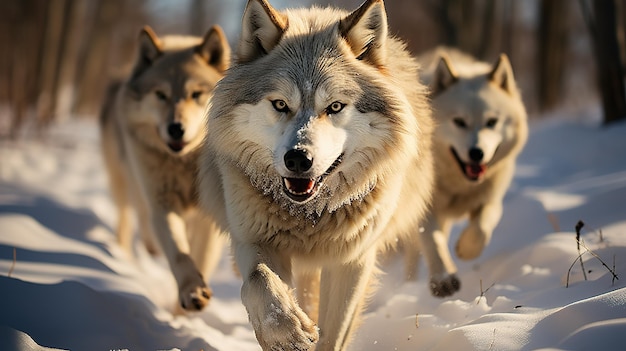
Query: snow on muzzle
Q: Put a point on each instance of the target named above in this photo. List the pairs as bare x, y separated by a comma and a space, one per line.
303, 188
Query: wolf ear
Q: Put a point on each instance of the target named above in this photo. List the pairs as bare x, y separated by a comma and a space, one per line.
365, 30
261, 30
445, 75
502, 74
149, 50
215, 49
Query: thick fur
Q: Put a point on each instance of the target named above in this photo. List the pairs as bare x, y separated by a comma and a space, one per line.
321, 137
152, 125
481, 128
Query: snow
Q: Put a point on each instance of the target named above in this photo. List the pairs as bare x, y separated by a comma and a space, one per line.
71, 287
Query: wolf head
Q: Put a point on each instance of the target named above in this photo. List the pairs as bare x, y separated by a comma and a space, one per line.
480, 115
170, 86
309, 107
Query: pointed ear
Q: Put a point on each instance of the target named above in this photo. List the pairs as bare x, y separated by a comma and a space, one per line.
502, 74
215, 49
261, 30
445, 75
149, 50
365, 30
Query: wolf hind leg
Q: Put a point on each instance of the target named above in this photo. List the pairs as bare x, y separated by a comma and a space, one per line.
118, 184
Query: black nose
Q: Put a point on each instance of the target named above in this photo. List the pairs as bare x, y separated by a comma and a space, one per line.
298, 161
175, 130
476, 154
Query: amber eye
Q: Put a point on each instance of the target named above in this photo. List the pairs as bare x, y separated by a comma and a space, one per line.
280, 106
459, 122
196, 94
335, 107
491, 122
160, 95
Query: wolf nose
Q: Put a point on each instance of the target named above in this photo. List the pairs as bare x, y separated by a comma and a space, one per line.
476, 154
298, 161
175, 130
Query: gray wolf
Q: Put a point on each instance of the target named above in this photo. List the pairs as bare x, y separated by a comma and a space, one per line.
151, 127
481, 127
321, 138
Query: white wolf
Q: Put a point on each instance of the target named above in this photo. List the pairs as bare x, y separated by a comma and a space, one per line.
321, 136
481, 128
152, 125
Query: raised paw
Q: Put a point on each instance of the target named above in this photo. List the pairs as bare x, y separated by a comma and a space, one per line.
444, 286
278, 322
194, 296
471, 243
287, 331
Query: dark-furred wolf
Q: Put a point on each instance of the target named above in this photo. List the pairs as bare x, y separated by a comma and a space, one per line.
152, 125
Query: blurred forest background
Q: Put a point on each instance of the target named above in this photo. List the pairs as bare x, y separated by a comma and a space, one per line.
57, 56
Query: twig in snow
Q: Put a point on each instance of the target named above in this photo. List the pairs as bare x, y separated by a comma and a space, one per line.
570, 269
612, 271
578, 227
482, 292
614, 276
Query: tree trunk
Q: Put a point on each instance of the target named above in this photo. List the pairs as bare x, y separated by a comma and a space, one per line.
49, 63
96, 55
552, 46
75, 10
603, 28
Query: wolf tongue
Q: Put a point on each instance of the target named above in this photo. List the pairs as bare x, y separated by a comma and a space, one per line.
299, 186
475, 170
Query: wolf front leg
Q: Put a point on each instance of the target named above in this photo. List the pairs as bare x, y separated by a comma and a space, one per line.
170, 230
478, 233
343, 290
434, 242
278, 322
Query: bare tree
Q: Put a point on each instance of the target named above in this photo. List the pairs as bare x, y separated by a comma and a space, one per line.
602, 23
552, 42
21, 36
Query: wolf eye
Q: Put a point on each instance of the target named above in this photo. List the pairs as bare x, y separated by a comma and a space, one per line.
335, 107
196, 94
160, 95
491, 122
280, 106
459, 122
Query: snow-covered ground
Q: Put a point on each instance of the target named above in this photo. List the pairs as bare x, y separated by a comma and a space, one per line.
65, 284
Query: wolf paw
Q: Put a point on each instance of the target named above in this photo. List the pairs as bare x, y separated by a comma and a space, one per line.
194, 295
445, 286
471, 243
287, 330
278, 322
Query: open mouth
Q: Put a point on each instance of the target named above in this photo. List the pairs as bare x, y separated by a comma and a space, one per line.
472, 171
176, 145
302, 189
